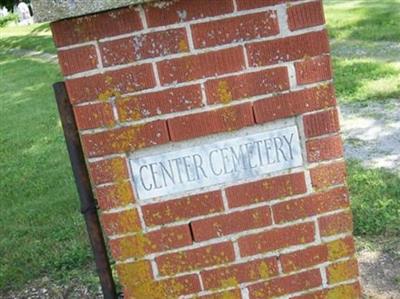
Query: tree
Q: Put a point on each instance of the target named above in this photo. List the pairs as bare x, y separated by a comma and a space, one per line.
10, 3
7, 3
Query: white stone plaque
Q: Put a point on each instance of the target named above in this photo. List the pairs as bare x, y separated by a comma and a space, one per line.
216, 163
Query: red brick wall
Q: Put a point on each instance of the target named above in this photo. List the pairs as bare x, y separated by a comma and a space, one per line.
144, 76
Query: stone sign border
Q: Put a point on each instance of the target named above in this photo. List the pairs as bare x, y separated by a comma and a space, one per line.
218, 181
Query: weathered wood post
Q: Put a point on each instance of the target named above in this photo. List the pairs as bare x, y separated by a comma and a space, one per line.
211, 135
82, 180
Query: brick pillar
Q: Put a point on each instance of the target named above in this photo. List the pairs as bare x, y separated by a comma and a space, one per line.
184, 72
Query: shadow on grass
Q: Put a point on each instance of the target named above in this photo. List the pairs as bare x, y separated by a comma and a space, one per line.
375, 195
379, 51
28, 42
44, 27
369, 20
358, 80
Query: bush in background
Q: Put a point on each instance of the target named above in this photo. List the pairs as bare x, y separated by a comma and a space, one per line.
8, 19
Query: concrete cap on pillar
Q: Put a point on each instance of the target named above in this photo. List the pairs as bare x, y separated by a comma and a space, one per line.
54, 10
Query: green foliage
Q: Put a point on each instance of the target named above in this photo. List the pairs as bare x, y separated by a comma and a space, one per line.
375, 195
8, 19
42, 231
7, 3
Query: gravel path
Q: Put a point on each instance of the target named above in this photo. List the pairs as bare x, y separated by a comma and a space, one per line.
372, 133
380, 274
45, 288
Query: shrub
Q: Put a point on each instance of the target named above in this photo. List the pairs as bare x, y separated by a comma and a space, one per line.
7, 19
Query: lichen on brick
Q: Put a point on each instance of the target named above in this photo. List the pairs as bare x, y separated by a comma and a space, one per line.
224, 92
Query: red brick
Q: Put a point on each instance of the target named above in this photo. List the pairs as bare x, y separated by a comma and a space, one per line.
112, 83
121, 222
87, 28
222, 225
162, 102
336, 224
294, 103
178, 286
125, 139
114, 196
322, 149
193, 259
156, 241
313, 70
341, 248
119, 51
211, 122
247, 85
265, 190
321, 123
201, 66
233, 294
94, 116
342, 271
276, 239
311, 205
154, 44
306, 258
288, 49
185, 10
246, 4
77, 60
285, 285
242, 28
139, 282
350, 291
305, 15
106, 171
183, 208
240, 273
328, 175
314, 295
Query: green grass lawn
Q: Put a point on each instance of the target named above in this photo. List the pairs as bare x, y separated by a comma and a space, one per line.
375, 195
36, 37
367, 20
366, 47
42, 230
366, 79
39, 210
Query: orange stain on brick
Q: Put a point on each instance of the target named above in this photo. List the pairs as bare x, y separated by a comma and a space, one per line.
183, 46
345, 291
132, 112
138, 279
338, 249
342, 271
